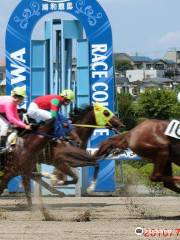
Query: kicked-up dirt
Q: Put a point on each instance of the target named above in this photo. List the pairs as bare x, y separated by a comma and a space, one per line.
89, 218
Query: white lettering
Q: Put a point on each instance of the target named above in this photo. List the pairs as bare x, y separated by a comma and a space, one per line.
19, 70
101, 132
100, 99
101, 84
100, 74
99, 48
19, 55
100, 64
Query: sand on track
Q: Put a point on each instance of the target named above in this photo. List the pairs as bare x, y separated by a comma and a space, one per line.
110, 218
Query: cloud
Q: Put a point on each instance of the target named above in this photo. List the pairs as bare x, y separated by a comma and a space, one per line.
170, 37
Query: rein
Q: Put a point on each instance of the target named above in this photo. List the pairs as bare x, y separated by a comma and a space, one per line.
39, 133
43, 134
90, 126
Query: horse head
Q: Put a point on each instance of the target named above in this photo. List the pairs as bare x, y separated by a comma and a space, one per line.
64, 129
104, 117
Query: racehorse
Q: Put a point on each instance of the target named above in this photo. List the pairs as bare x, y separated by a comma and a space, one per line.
87, 118
148, 141
22, 159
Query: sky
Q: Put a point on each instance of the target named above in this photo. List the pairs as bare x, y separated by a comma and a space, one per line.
144, 27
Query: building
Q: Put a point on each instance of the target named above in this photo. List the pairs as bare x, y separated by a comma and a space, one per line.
155, 82
123, 56
142, 62
141, 75
175, 57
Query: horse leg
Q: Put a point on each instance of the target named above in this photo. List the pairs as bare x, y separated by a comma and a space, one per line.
159, 167
168, 172
94, 181
27, 188
44, 184
158, 173
5, 180
66, 169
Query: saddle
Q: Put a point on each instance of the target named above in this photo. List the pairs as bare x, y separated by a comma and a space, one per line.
13, 133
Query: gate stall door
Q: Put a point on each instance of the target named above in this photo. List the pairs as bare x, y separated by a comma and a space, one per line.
83, 94
83, 88
39, 74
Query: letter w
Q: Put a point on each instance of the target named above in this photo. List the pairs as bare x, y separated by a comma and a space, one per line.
17, 73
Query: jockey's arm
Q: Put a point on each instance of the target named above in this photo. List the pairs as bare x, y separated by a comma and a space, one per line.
55, 103
11, 114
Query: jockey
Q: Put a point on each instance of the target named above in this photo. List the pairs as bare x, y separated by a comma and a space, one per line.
47, 106
8, 105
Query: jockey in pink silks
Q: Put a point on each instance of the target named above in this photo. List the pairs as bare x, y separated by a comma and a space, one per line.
8, 105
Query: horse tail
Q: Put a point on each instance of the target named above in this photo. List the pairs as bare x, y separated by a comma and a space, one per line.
75, 157
120, 142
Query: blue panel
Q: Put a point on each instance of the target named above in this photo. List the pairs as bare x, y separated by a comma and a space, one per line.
38, 79
37, 83
48, 29
72, 29
82, 100
83, 91
16, 185
83, 86
83, 53
38, 48
106, 176
49, 37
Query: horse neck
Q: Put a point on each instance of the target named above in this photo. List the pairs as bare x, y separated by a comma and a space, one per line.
84, 132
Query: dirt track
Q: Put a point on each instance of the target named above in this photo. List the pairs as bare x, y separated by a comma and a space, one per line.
110, 218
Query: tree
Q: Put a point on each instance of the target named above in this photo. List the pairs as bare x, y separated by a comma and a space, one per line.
123, 65
159, 103
126, 110
169, 74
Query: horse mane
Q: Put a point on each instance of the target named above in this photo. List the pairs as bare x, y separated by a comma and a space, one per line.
77, 114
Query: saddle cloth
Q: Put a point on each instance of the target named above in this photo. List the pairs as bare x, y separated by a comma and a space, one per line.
173, 129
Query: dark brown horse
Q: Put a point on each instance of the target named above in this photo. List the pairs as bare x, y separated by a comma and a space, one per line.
82, 116
24, 156
148, 141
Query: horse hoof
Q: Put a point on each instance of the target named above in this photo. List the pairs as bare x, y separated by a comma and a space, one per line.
61, 183
89, 190
46, 175
55, 182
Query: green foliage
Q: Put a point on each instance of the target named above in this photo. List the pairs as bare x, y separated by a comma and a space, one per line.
136, 164
127, 112
169, 74
155, 188
131, 175
145, 173
159, 104
123, 65
141, 120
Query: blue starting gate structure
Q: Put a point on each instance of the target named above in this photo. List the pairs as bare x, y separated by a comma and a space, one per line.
30, 63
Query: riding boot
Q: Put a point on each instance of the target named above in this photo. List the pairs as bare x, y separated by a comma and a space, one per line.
3, 147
